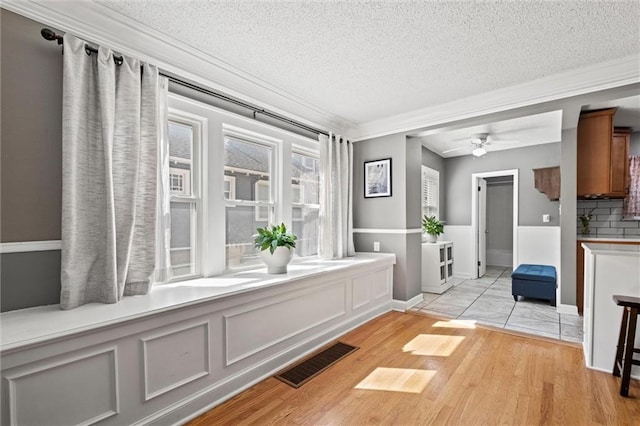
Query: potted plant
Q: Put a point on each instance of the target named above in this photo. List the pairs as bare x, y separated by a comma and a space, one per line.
432, 227
585, 219
276, 247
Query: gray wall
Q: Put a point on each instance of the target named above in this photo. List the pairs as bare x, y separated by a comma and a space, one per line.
400, 212
531, 203
634, 144
435, 162
383, 212
499, 215
568, 191
31, 161
31, 79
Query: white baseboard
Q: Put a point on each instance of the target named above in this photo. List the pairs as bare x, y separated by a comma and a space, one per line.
464, 276
567, 309
498, 257
402, 306
604, 370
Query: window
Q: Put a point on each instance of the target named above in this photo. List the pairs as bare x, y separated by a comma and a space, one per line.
184, 141
229, 187
179, 180
430, 192
250, 164
228, 176
305, 201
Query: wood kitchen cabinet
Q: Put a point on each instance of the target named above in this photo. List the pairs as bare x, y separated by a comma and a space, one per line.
603, 156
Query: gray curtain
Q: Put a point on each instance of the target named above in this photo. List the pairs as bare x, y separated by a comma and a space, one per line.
109, 166
336, 198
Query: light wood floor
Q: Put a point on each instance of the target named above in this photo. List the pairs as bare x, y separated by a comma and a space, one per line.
440, 375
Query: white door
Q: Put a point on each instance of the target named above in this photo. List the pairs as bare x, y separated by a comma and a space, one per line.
482, 227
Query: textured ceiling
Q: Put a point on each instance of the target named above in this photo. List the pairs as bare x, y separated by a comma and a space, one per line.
364, 60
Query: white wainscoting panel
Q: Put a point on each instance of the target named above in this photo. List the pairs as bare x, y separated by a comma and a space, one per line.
186, 349
369, 287
539, 245
463, 250
256, 327
167, 364
69, 390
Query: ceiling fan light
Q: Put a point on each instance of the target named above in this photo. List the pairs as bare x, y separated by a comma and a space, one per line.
479, 152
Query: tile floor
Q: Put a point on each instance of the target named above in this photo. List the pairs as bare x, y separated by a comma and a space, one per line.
488, 300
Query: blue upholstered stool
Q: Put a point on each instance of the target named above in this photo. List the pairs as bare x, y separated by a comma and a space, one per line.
537, 281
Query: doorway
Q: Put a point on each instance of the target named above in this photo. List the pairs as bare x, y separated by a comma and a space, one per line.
487, 228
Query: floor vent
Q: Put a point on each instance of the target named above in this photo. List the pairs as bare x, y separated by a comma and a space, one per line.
301, 373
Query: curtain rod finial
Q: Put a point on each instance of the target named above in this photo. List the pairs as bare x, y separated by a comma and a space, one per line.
47, 34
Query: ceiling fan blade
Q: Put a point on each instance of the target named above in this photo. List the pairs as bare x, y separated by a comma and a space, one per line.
505, 141
455, 149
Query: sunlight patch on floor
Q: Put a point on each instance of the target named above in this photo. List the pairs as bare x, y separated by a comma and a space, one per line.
433, 345
456, 324
397, 380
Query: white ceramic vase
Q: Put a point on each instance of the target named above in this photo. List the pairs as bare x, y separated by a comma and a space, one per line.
432, 238
278, 261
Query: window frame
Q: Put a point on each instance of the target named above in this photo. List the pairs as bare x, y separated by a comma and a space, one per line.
433, 175
197, 125
300, 150
218, 124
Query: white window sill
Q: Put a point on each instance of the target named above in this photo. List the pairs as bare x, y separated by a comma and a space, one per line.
35, 325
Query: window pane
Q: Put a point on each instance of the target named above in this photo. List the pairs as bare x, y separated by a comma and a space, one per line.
182, 238
249, 164
305, 179
305, 197
305, 227
241, 226
430, 187
180, 155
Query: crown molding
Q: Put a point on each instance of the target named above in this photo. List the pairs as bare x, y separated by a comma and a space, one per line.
593, 78
101, 25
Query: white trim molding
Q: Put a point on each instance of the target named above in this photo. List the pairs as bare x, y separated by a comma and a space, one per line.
567, 309
474, 212
99, 24
386, 231
403, 306
593, 78
26, 246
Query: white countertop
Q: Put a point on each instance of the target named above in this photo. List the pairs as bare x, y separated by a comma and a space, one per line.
621, 238
26, 326
600, 248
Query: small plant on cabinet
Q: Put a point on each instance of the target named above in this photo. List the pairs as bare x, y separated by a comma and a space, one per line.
432, 227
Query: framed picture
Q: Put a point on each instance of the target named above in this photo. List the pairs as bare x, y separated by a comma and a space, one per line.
377, 178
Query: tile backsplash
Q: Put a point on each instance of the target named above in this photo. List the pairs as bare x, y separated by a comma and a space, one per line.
606, 218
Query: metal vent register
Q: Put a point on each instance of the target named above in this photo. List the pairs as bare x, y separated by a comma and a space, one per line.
301, 373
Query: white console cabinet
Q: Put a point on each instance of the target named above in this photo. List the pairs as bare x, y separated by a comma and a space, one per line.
437, 266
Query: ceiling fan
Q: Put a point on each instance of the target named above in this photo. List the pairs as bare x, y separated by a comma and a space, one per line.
478, 142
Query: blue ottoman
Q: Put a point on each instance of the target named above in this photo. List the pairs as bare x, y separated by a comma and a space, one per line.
537, 281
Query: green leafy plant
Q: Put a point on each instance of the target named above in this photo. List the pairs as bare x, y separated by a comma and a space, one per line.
585, 219
432, 226
273, 237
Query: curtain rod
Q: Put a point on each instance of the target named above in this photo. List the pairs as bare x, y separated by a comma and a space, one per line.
52, 36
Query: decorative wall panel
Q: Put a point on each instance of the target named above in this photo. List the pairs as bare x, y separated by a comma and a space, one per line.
70, 390
259, 326
174, 357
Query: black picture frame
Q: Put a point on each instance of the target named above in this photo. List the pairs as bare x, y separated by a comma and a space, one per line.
377, 178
